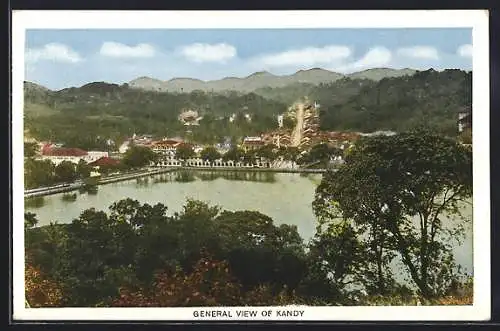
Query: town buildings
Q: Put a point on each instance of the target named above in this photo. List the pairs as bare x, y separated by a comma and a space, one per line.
165, 147
59, 154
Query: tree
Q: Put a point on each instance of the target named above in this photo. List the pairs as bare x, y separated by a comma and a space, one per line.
65, 172
288, 122
184, 152
30, 149
336, 265
98, 258
289, 153
319, 154
210, 154
250, 156
267, 152
260, 252
38, 173
234, 154
138, 156
30, 220
397, 190
83, 169
40, 290
208, 284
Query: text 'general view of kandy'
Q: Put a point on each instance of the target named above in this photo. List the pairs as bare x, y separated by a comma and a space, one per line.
316, 168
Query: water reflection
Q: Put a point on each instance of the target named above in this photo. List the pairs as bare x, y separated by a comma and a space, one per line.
34, 202
184, 176
142, 182
70, 197
89, 189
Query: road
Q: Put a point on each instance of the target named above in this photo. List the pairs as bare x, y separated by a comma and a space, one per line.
299, 127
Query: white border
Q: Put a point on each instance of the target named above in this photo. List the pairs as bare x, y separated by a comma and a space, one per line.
477, 19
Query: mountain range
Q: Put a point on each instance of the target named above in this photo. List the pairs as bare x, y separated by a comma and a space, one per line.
251, 83
261, 79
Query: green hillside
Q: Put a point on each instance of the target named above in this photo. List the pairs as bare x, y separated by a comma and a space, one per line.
88, 115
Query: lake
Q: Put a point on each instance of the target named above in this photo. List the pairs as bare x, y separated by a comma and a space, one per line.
286, 197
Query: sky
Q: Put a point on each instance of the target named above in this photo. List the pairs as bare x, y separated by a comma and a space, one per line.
63, 58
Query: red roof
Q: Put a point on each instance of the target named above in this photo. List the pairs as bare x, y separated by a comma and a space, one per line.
63, 151
104, 161
166, 143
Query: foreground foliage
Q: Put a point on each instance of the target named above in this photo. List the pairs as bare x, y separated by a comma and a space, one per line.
394, 194
387, 202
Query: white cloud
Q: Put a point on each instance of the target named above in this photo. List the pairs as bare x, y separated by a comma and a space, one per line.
419, 52
114, 49
199, 52
52, 52
308, 56
465, 50
375, 57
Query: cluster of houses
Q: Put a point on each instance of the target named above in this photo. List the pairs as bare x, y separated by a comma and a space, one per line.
167, 148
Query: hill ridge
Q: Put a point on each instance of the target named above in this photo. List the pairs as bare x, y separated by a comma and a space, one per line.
261, 79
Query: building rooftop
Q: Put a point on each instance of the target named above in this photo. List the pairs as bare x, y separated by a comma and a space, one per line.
168, 143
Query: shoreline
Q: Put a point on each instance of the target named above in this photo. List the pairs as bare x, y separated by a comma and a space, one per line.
161, 170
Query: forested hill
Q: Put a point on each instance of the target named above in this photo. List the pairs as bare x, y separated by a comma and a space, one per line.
428, 98
114, 111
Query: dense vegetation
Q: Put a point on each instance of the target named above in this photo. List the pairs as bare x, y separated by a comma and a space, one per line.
105, 111
111, 111
139, 255
44, 173
427, 98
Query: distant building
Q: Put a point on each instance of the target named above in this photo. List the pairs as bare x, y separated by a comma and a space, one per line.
280, 121
379, 133
190, 117
464, 120
104, 161
124, 147
252, 143
95, 155
59, 154
223, 148
165, 147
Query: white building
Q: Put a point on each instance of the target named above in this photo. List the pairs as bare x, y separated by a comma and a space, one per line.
94, 156
124, 147
59, 154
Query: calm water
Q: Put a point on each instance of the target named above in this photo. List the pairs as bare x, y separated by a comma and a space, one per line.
285, 197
